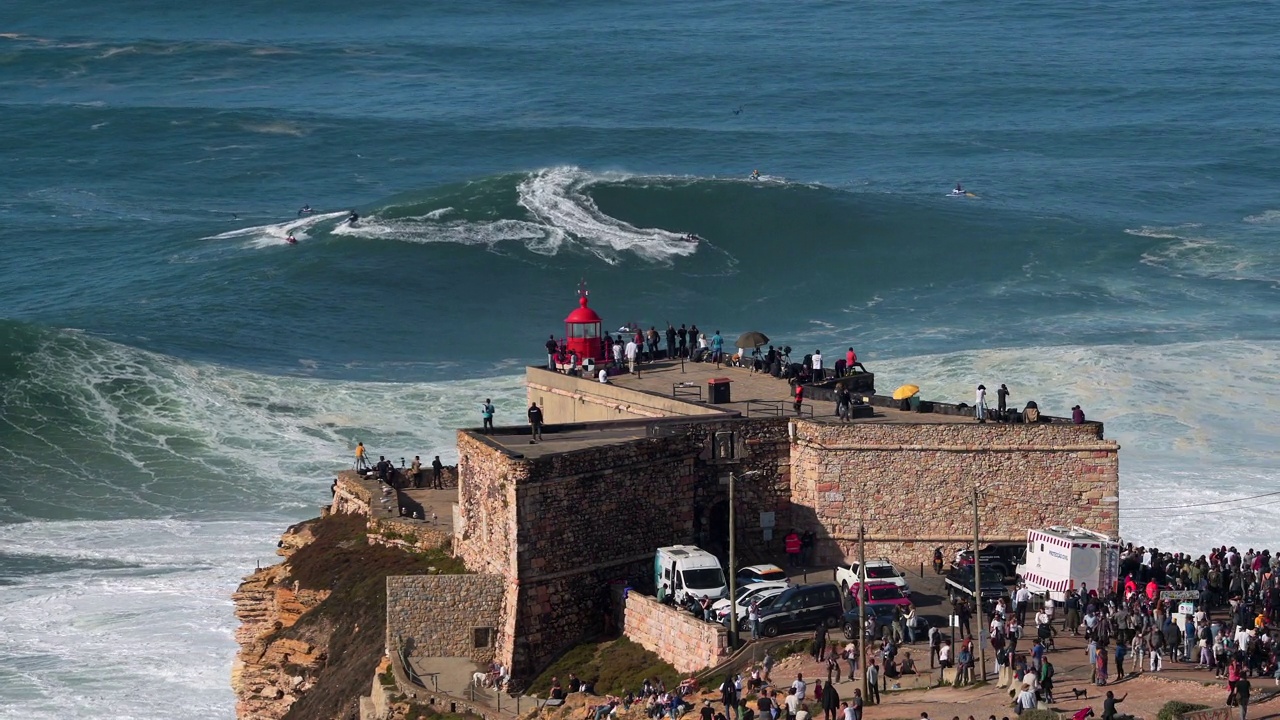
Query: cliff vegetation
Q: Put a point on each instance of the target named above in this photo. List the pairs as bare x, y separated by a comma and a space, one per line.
313, 627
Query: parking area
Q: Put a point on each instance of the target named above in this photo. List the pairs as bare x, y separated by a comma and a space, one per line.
928, 592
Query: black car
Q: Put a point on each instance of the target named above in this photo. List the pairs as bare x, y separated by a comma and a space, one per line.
802, 608
881, 613
1003, 557
960, 584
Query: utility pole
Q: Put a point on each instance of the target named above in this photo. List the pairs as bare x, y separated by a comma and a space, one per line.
862, 609
733, 558
733, 569
977, 588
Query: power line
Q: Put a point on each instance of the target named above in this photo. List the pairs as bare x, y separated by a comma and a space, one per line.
1126, 510
1196, 505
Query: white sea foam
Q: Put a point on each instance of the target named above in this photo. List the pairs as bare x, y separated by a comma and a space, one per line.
1192, 252
91, 642
277, 128
558, 198
561, 213
422, 229
274, 234
138, 604
1269, 217
1195, 420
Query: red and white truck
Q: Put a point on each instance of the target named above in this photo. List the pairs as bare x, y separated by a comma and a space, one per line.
1060, 559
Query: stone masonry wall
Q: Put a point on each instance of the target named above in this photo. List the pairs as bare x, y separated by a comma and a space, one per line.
593, 516
484, 534
436, 615
673, 635
350, 495
913, 484
408, 534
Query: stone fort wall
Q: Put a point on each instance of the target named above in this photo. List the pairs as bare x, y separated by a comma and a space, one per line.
912, 484
559, 528
562, 527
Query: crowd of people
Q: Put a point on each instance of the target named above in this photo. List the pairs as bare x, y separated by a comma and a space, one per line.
400, 478
1230, 629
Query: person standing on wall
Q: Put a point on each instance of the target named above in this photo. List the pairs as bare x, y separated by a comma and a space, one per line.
552, 346
437, 469
361, 462
415, 472
535, 421
817, 366
1002, 396
632, 351
486, 413
980, 404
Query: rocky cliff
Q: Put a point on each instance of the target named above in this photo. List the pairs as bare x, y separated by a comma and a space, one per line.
271, 671
312, 628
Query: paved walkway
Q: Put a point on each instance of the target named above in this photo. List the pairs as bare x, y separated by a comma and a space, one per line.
756, 394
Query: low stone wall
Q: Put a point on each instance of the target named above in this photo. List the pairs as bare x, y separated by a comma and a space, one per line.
352, 494
676, 636
442, 615
565, 399
1222, 713
408, 535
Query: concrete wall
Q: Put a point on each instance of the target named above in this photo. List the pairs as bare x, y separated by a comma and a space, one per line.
913, 483
565, 398
673, 635
438, 613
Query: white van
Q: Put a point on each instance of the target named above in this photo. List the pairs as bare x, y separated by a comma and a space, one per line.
1061, 559
682, 571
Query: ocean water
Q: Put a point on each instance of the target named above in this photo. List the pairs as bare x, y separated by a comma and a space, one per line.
177, 384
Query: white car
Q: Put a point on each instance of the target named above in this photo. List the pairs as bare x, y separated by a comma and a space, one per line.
879, 570
748, 594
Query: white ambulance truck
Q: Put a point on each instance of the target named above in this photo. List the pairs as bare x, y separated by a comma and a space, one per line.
1060, 559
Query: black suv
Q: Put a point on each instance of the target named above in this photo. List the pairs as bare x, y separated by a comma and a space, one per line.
959, 583
802, 608
1003, 557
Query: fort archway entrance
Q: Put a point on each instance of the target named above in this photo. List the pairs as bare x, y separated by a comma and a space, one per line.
717, 537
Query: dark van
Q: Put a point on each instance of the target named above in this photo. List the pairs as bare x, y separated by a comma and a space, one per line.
802, 608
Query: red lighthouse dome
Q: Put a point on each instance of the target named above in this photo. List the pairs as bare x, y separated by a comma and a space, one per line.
582, 330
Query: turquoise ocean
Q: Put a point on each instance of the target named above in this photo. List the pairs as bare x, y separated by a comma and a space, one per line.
177, 384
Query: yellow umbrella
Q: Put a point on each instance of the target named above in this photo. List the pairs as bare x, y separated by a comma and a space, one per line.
905, 392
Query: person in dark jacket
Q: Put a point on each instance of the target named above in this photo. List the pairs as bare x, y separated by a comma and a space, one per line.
830, 702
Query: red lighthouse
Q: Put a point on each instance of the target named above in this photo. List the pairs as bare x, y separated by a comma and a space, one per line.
582, 330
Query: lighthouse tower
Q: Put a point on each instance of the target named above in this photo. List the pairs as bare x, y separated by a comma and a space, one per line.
582, 330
